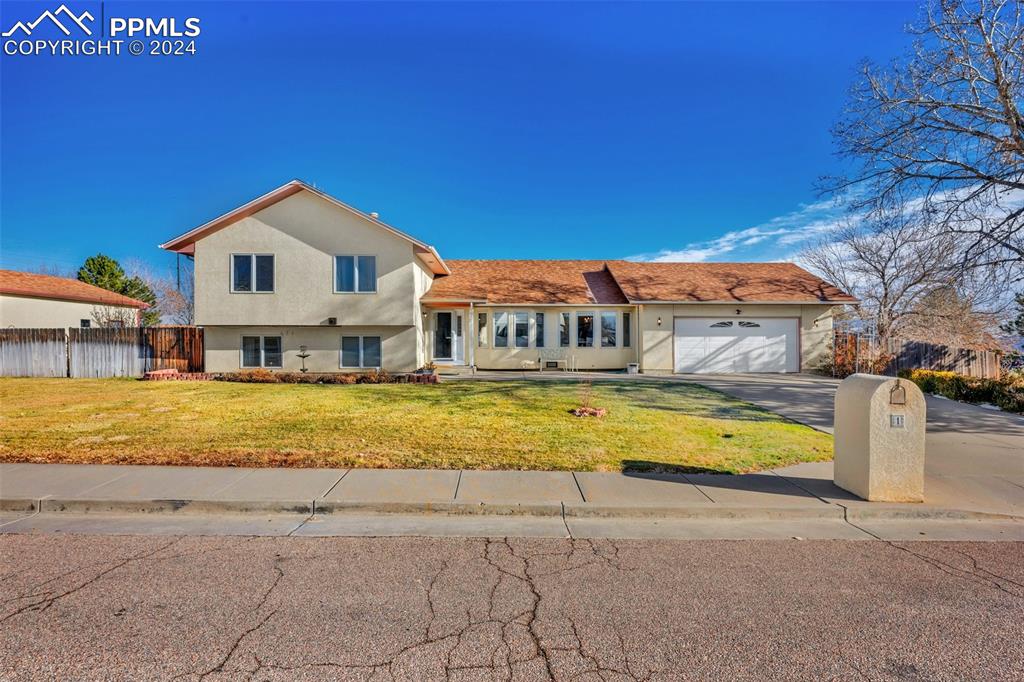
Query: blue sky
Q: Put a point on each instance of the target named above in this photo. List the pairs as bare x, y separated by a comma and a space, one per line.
529, 130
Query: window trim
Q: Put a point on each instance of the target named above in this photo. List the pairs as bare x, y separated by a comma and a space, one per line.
615, 327
494, 323
355, 272
481, 329
362, 351
252, 265
263, 358
593, 315
515, 328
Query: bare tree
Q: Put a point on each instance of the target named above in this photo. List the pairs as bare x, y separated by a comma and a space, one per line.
900, 269
174, 302
942, 130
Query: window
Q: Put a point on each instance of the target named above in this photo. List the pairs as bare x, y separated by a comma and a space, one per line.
501, 330
481, 329
522, 330
748, 324
262, 351
626, 331
608, 330
252, 273
584, 330
721, 324
563, 330
360, 351
538, 330
85, 324
355, 274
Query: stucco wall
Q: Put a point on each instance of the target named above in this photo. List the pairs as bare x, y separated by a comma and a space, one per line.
304, 233
23, 311
488, 357
815, 329
398, 346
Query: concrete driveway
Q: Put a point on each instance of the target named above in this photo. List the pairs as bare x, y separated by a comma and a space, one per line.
974, 455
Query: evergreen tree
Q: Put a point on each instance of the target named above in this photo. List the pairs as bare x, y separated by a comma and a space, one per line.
106, 273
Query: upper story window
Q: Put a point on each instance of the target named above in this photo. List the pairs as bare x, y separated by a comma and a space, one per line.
252, 273
355, 274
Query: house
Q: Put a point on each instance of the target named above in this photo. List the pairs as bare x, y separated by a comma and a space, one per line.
31, 300
296, 272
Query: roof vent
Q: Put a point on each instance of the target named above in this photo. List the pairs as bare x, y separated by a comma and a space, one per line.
375, 215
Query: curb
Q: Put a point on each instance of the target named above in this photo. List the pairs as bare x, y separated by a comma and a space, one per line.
579, 510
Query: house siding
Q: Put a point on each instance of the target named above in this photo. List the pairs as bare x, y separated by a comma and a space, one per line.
304, 232
398, 346
27, 311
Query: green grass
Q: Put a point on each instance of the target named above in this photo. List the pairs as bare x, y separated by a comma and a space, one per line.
469, 424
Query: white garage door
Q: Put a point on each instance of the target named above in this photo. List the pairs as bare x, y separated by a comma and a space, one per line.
707, 345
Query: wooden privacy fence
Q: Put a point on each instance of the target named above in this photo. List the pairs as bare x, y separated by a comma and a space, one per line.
96, 353
855, 352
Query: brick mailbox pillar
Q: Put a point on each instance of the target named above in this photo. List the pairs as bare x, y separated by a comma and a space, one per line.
879, 438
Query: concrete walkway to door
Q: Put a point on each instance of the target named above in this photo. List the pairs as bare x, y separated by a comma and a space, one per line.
974, 456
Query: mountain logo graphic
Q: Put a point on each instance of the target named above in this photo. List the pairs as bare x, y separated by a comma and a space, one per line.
27, 28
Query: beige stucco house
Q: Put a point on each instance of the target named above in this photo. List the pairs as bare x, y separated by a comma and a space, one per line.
31, 300
296, 273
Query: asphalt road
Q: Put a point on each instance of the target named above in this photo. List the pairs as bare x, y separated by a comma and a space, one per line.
82, 607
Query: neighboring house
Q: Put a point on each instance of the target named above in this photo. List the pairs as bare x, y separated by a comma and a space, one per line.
296, 271
31, 300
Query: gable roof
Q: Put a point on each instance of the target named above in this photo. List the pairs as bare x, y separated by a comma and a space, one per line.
186, 243
527, 281
723, 282
61, 289
617, 282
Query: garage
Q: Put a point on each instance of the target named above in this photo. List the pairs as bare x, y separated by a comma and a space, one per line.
706, 345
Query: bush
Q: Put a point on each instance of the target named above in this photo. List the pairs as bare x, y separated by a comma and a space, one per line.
250, 376
1006, 393
375, 376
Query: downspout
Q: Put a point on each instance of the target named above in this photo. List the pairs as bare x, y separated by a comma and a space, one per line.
471, 324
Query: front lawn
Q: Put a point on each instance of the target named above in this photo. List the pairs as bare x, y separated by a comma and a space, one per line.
468, 424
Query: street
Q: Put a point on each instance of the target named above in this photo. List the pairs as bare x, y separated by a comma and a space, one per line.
81, 607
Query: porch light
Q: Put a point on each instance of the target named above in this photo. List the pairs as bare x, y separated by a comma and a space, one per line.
659, 321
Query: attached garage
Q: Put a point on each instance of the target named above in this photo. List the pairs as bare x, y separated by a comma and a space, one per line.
709, 345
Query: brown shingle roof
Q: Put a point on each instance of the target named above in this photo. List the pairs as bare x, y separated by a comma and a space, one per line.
620, 282
704, 282
527, 281
61, 288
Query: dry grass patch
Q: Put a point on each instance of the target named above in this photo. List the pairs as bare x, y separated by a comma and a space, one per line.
470, 424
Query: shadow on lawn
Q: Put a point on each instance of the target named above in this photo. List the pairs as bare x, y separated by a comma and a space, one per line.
644, 469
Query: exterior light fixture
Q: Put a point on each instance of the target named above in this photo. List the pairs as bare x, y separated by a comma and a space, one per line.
659, 321
738, 311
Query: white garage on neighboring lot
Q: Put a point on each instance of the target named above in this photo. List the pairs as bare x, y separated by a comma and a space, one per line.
709, 345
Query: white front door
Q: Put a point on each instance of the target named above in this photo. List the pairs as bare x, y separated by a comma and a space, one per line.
706, 345
448, 345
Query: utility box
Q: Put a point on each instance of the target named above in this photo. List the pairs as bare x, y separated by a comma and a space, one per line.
879, 438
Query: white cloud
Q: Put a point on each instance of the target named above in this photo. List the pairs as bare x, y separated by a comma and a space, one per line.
774, 238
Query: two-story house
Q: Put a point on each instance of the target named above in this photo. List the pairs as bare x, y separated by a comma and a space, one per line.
296, 273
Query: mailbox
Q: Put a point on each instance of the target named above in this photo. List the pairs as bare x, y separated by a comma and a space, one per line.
879, 438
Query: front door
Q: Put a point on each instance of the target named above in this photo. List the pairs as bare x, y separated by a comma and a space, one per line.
443, 336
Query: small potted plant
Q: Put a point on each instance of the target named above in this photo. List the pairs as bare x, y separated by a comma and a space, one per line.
428, 368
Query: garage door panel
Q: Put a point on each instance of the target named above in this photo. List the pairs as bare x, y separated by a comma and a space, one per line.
714, 345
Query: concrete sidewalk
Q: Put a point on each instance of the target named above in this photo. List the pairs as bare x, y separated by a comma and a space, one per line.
802, 492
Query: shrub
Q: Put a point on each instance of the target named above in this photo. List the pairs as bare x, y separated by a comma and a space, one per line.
251, 376
1006, 393
375, 376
